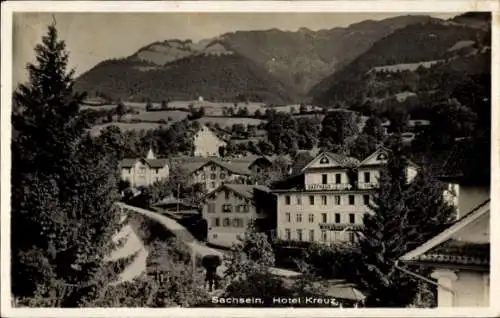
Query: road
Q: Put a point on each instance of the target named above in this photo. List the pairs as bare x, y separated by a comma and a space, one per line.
197, 248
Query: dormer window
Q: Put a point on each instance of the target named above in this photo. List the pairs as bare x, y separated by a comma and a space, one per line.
324, 160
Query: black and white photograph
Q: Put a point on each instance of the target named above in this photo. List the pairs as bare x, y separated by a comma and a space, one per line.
217, 160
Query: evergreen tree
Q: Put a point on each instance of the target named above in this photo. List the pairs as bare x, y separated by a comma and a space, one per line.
381, 240
63, 188
373, 127
404, 215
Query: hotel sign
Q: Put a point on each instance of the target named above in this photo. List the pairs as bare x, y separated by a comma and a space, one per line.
339, 227
329, 186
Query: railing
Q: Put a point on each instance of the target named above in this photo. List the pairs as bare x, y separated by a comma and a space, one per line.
340, 226
372, 185
329, 186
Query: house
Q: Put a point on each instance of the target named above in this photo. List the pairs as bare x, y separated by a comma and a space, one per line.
212, 172
326, 202
206, 143
230, 208
460, 255
144, 171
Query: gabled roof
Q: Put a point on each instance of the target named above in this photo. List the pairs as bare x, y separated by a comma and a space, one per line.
237, 167
245, 190
444, 249
341, 160
153, 163
375, 153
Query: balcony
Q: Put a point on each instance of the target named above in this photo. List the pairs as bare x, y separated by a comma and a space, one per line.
365, 186
340, 226
329, 186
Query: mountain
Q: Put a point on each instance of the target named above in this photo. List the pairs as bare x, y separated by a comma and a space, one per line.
406, 50
214, 73
273, 66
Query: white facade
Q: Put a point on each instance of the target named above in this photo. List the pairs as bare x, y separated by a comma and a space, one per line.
144, 172
331, 207
228, 215
206, 143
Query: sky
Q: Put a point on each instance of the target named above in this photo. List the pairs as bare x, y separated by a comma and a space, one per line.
93, 37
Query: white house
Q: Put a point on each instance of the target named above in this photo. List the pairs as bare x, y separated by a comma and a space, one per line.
144, 171
206, 143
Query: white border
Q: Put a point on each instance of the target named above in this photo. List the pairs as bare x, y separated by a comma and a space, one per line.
241, 6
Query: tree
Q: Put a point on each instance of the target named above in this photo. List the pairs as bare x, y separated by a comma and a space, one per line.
302, 108
404, 215
282, 132
120, 109
149, 106
164, 105
63, 187
363, 146
337, 127
172, 281
258, 114
248, 268
373, 127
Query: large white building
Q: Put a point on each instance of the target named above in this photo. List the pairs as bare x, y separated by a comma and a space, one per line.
327, 201
144, 171
206, 143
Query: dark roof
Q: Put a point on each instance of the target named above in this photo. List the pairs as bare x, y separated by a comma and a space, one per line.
444, 249
153, 163
245, 190
344, 160
458, 253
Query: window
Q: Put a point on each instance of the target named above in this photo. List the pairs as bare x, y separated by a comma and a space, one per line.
215, 222
287, 200
222, 175
212, 176
157, 170
226, 222
351, 199
351, 218
227, 194
337, 200
299, 199
323, 236
311, 218
211, 208
323, 217
213, 168
288, 237
237, 222
324, 200
238, 209
203, 177
227, 208
367, 177
311, 199
338, 178
299, 217
351, 237
324, 178
337, 217
288, 217
299, 234
212, 184
244, 208
311, 235
324, 160
366, 199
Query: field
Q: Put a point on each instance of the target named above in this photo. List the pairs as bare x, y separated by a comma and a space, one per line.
230, 121
96, 130
175, 115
